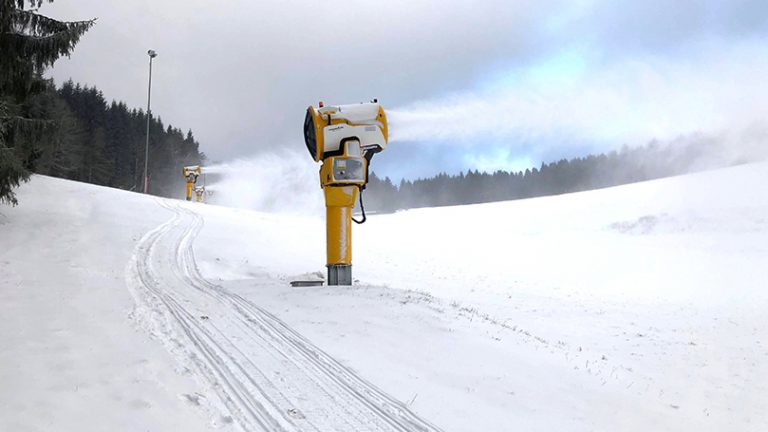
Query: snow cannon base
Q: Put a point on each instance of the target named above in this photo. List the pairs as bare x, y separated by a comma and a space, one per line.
339, 274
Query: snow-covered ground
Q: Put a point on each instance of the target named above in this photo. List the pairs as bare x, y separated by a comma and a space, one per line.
639, 307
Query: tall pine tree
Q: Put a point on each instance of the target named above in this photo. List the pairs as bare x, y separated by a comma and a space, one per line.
29, 43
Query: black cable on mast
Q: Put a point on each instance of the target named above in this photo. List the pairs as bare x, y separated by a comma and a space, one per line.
362, 208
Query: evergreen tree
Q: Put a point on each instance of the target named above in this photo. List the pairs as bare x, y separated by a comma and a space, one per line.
29, 43
59, 148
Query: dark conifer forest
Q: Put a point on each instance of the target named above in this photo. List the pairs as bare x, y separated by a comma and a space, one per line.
629, 165
102, 142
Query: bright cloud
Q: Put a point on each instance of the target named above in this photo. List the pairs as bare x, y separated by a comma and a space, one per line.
629, 101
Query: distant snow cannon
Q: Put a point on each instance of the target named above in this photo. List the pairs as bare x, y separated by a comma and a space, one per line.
190, 176
199, 193
344, 138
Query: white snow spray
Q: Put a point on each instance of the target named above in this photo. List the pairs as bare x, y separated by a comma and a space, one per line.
283, 182
629, 102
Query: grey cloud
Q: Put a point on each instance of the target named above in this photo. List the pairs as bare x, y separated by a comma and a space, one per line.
242, 73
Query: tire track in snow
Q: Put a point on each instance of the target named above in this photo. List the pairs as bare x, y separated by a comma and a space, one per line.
267, 376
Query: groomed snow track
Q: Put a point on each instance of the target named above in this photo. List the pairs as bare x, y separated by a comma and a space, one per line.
267, 376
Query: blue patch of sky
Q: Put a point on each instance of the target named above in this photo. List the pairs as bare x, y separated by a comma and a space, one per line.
414, 160
563, 68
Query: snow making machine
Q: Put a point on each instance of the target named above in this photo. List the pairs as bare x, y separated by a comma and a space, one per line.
191, 173
199, 194
344, 138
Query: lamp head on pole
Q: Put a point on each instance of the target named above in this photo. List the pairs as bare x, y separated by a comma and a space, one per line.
152, 53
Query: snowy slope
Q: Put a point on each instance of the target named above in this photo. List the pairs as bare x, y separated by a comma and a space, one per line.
72, 357
638, 307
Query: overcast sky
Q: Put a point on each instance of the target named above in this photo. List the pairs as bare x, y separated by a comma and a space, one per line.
468, 84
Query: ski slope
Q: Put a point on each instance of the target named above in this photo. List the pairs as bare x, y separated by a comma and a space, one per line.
639, 307
267, 376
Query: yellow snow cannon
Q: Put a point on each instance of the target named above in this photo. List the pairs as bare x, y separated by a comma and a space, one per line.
199, 193
344, 138
190, 175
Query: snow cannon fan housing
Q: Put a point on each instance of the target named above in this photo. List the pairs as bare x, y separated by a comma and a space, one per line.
348, 135
191, 173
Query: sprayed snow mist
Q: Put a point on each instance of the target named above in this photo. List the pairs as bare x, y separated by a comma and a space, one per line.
629, 102
283, 182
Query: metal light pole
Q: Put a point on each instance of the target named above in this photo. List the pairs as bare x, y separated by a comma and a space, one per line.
152, 54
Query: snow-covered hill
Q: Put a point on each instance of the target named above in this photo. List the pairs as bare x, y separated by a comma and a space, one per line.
639, 307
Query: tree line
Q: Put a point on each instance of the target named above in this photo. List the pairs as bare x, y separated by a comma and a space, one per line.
104, 143
627, 165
